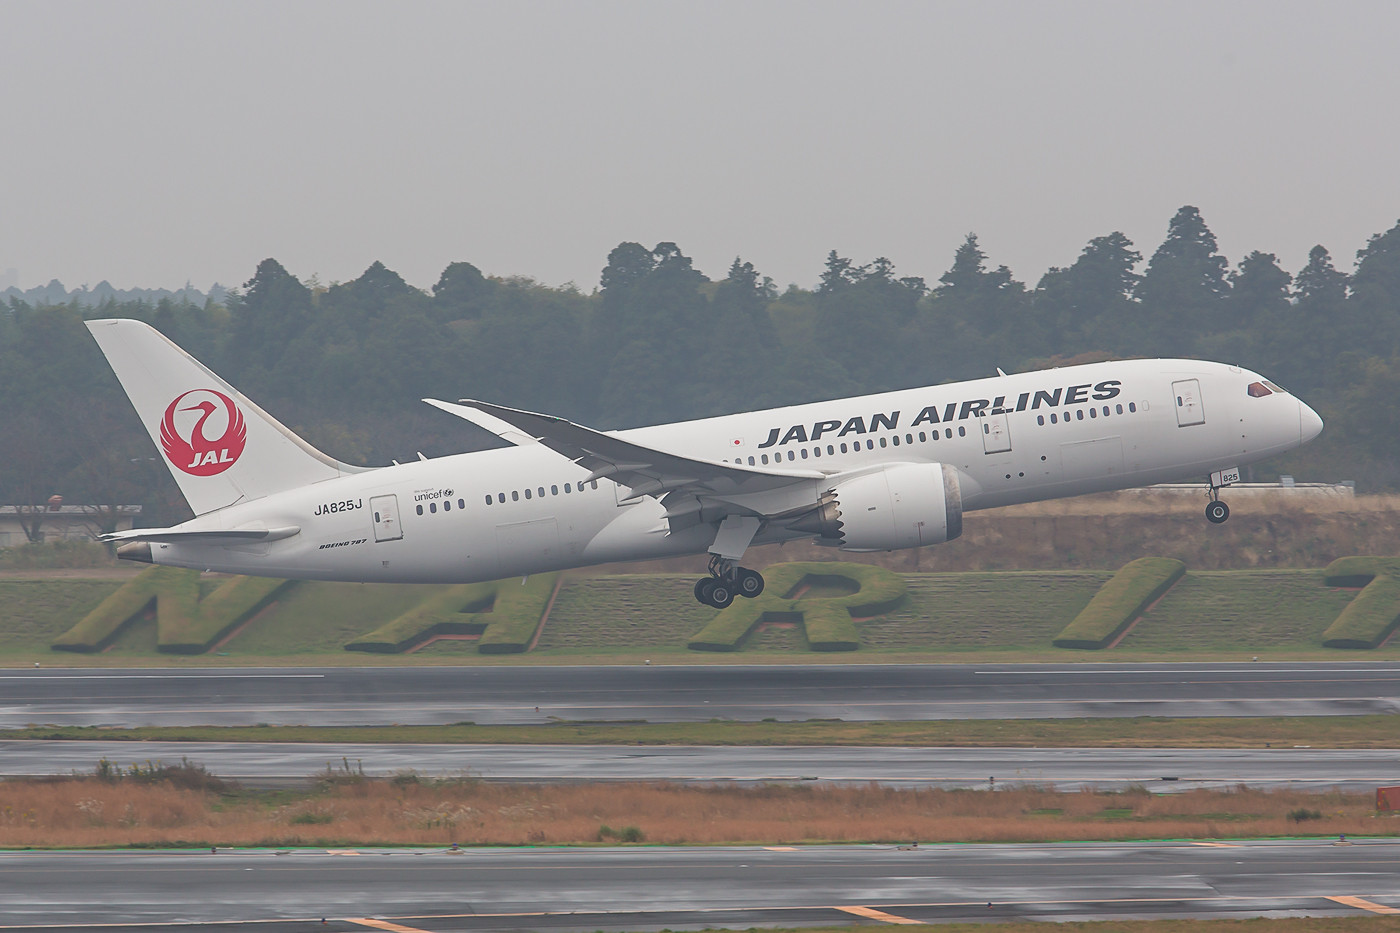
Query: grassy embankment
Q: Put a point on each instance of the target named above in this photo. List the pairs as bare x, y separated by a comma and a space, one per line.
184, 806
1207, 615
1142, 732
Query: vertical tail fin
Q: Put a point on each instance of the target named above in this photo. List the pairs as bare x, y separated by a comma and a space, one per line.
220, 447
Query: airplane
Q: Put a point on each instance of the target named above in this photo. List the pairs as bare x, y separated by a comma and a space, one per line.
871, 473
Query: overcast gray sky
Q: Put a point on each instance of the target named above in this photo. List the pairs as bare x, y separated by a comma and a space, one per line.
148, 143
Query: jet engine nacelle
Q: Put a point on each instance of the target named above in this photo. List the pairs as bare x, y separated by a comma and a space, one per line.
898, 506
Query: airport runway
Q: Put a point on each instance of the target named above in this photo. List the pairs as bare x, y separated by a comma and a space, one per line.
652, 888
663, 693
1161, 770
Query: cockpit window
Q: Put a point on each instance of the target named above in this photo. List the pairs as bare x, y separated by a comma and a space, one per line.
1277, 388
1259, 390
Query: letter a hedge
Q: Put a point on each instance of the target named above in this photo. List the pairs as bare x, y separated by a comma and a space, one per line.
827, 620
505, 613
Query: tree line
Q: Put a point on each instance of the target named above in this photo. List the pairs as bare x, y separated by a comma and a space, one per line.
658, 340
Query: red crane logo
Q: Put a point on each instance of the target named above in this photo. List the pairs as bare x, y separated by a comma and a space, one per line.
183, 438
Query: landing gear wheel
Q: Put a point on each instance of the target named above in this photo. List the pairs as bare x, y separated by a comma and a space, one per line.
1217, 512
721, 594
714, 592
749, 583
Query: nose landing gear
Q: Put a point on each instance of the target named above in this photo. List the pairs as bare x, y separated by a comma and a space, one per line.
727, 580
1217, 511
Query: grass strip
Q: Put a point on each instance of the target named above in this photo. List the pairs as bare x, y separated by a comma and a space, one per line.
1379, 731
1122, 599
158, 806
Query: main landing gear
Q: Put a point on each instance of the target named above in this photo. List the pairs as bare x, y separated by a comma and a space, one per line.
727, 580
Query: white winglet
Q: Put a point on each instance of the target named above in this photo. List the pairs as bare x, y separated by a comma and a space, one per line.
502, 429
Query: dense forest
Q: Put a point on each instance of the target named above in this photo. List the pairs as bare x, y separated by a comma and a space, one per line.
658, 340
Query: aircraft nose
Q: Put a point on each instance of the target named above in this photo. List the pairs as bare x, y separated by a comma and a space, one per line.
1310, 425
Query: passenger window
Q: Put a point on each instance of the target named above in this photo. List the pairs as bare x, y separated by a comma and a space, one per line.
447, 505
1039, 419
568, 488
882, 442
765, 459
527, 494
804, 453
816, 451
432, 507
908, 438
869, 445
1079, 415
1093, 413
541, 492
895, 439
515, 495
830, 450
594, 484
420, 509
843, 447
1132, 406
923, 437
791, 455
948, 433
1118, 408
1053, 419
500, 497
554, 490
751, 461
962, 431
1105, 411
488, 498
462, 503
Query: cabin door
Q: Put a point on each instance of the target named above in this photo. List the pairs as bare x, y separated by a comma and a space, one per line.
996, 439
386, 518
1188, 402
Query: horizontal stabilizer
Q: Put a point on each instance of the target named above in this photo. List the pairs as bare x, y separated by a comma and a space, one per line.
212, 536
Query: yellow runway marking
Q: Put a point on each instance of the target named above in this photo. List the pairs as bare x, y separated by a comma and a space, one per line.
871, 913
1362, 904
383, 925
342, 852
1216, 845
781, 848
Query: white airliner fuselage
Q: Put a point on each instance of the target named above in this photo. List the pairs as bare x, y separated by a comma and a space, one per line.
876, 472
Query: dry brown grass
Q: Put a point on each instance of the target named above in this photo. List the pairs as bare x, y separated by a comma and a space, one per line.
86, 812
1172, 925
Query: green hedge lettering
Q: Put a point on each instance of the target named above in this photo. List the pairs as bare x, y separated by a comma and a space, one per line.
827, 620
1137, 585
505, 613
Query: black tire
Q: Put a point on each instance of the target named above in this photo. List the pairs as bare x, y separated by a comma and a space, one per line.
721, 595
703, 586
749, 584
1217, 512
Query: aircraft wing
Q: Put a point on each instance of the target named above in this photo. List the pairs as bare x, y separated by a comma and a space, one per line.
647, 471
